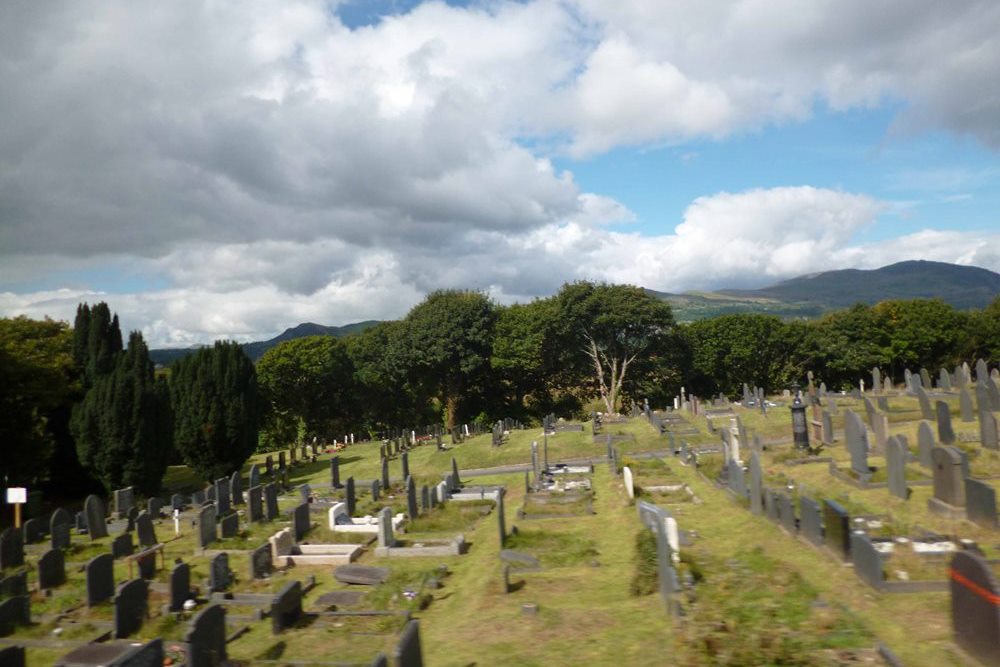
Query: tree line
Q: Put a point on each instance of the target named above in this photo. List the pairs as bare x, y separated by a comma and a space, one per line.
79, 407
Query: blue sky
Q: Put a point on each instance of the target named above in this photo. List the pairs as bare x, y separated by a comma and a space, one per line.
229, 170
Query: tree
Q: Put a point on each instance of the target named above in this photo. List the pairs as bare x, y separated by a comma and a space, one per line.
308, 380
215, 404
97, 340
38, 382
447, 347
124, 426
921, 332
608, 328
521, 349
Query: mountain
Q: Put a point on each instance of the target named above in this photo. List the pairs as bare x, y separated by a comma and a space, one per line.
808, 296
256, 350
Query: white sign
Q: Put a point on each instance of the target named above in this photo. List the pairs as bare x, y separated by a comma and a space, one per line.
17, 495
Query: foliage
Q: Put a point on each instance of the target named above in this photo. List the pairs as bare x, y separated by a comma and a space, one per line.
215, 403
124, 425
37, 380
308, 380
645, 579
522, 352
97, 340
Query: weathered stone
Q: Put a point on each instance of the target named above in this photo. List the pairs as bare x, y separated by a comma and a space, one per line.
220, 577
254, 476
60, 536
122, 546
756, 484
93, 508
15, 584
946, 435
206, 526
124, 499
385, 474
988, 430
222, 496
949, 477
100, 576
270, 502
867, 560
255, 504
51, 569
300, 521
261, 562
144, 530
349, 496
519, 558
810, 520
130, 607
335, 472
229, 525
14, 612
925, 443
981, 503
236, 488
925, 403
408, 652
286, 607
965, 406
975, 614
11, 548
385, 536
364, 575
206, 638
837, 523
180, 586
857, 442
895, 459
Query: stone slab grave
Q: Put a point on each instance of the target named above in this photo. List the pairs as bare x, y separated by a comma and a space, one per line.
340, 521
285, 551
119, 653
868, 557
389, 547
361, 575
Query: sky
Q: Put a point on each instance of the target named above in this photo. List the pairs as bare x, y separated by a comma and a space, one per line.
224, 169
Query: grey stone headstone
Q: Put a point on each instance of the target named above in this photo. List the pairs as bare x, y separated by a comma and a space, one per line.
177, 502
869, 411
236, 488
219, 574
254, 476
384, 478
404, 462
375, 488
100, 577
130, 607
361, 575
408, 652
425, 498
335, 472
925, 379
786, 510
93, 508
756, 484
33, 530
60, 516
982, 372
300, 521
887, 384
867, 560
385, 535
456, 479
144, 530
206, 526
122, 546
261, 562
349, 498
434, 496
828, 435
946, 435
255, 506
60, 537
270, 502
229, 525
14, 612
944, 380
305, 493
980, 503
895, 459
925, 443
810, 520
11, 548
988, 431
883, 403
206, 638
286, 607
124, 499
154, 507
975, 615
949, 480
876, 379
968, 415
737, 481
411, 499
51, 569
857, 441
880, 425
925, 403
180, 586
222, 496
837, 524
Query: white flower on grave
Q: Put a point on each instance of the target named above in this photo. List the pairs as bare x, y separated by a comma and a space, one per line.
189, 605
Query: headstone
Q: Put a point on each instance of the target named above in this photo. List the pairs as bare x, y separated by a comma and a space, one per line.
876, 379
857, 442
286, 607
254, 479
988, 430
501, 518
124, 499
93, 508
975, 614
435, 499
206, 638
14, 612
925, 443
385, 536
880, 425
945, 433
810, 520
261, 562
236, 488
219, 575
222, 496
828, 436
981, 503
11, 548
411, 498
404, 462
305, 493
867, 560
177, 502
384, 479
255, 506
787, 513
14, 585
425, 498
456, 480
130, 607
122, 546
949, 480
895, 459
335, 472
33, 530
100, 577
965, 406
281, 460
14, 656
756, 484
206, 526
300, 521
837, 523
408, 652
883, 403
229, 525
925, 378
944, 380
144, 530
270, 502
361, 575
180, 586
51, 569
268, 465
629, 483
925, 403
59, 536
349, 496
375, 490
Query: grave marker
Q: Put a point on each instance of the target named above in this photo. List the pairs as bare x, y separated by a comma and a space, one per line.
756, 484
411, 498
255, 506
207, 638
335, 472
144, 530
925, 443
810, 520
206, 526
286, 607
180, 586
229, 525
219, 575
895, 458
949, 480
838, 529
100, 577
51, 569
261, 562
270, 502
980, 503
945, 433
236, 488
975, 612
11, 548
349, 496
130, 607
93, 508
300, 521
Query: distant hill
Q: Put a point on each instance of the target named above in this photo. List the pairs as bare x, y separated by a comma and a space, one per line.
256, 350
808, 296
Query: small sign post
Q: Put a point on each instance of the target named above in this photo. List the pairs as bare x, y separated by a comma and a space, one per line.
17, 496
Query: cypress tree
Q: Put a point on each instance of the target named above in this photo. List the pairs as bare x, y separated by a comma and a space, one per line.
214, 394
97, 340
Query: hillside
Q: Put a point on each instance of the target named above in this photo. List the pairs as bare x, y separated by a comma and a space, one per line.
810, 295
256, 349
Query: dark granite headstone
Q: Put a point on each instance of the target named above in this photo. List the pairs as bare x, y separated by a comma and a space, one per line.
100, 575
286, 607
404, 461
144, 530
975, 612
857, 442
349, 498
408, 652
15, 584
124, 499
786, 513
255, 506
206, 638
335, 472
93, 508
501, 515
13, 656
177, 502
384, 478
14, 612
254, 476
51, 569
455, 479
837, 523
946, 435
33, 530
153, 506
11, 548
122, 545
375, 490
60, 536
229, 525
300, 521
222, 496
180, 586
810, 520
206, 526
867, 560
130, 607
281, 460
411, 499
219, 575
895, 463
261, 562
980, 503
425, 498
236, 488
